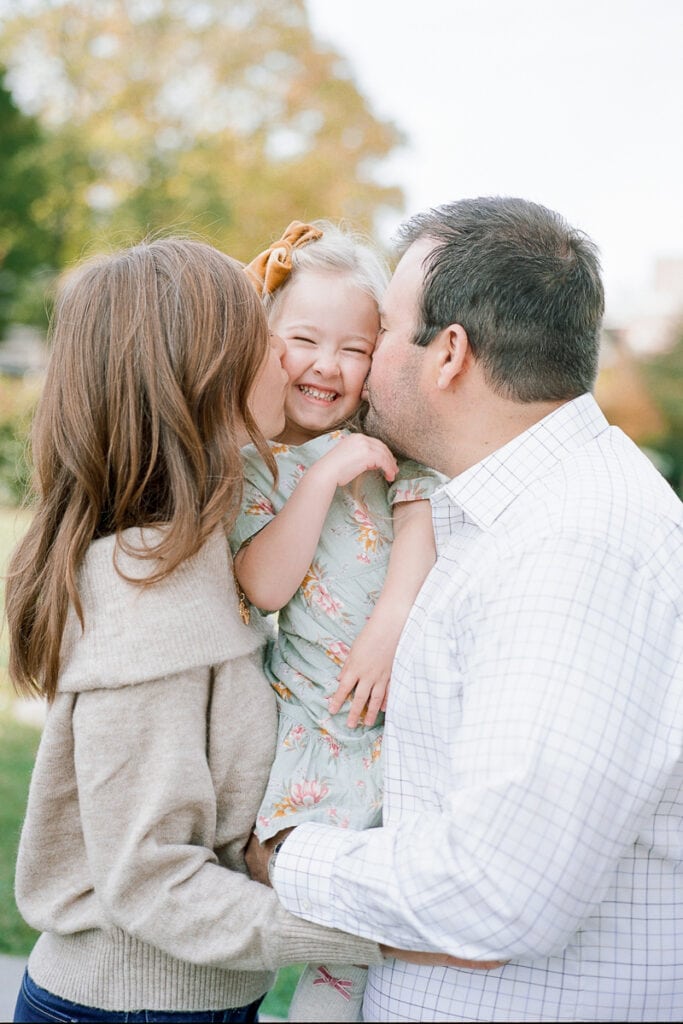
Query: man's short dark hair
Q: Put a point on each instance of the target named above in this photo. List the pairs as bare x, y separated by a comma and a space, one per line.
524, 285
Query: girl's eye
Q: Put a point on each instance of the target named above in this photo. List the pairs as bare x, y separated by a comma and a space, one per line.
304, 341
359, 351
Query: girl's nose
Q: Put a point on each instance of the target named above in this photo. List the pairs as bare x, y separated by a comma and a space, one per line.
327, 363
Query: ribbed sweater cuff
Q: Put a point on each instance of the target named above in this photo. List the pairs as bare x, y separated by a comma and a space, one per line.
113, 971
297, 941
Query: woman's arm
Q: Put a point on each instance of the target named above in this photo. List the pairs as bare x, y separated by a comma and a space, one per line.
149, 806
367, 669
271, 567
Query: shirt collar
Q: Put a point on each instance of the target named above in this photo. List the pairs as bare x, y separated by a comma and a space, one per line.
485, 490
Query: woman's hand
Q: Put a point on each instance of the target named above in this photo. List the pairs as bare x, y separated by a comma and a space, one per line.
257, 855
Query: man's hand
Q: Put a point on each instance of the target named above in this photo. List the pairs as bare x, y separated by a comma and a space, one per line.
257, 855
440, 959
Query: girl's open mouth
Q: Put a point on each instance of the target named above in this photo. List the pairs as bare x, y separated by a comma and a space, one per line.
321, 396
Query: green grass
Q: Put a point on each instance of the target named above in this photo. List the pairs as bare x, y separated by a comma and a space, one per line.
278, 999
18, 744
13, 523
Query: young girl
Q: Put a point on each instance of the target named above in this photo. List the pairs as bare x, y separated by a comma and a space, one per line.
318, 549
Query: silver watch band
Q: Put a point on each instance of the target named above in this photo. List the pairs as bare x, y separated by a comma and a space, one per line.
273, 858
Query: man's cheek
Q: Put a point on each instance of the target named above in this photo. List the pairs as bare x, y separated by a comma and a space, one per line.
378, 370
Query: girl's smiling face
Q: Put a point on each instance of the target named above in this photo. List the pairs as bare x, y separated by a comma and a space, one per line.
329, 326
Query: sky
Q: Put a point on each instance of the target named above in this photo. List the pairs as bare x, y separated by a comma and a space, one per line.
576, 104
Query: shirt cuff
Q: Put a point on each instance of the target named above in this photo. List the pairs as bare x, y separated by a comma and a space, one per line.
303, 871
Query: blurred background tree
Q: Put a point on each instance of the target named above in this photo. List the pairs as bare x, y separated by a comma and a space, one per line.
219, 118
663, 373
29, 250
224, 118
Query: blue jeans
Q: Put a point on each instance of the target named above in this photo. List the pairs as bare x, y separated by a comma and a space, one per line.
35, 1005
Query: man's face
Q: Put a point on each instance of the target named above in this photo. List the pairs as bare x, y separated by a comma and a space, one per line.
397, 411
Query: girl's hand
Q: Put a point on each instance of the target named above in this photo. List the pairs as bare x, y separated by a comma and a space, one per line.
367, 671
354, 455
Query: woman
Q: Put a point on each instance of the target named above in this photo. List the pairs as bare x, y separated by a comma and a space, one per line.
122, 612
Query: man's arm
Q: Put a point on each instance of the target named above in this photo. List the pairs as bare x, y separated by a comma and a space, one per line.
560, 743
261, 861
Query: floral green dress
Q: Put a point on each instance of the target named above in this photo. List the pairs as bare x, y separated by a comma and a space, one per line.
323, 770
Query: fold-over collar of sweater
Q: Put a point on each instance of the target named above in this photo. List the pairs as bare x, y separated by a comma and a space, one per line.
135, 633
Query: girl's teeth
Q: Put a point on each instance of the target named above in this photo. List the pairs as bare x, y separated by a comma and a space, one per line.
326, 396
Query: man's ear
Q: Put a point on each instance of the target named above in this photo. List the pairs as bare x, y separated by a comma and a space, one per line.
452, 350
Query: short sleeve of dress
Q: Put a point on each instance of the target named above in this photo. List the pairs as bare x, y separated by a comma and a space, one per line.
414, 482
257, 507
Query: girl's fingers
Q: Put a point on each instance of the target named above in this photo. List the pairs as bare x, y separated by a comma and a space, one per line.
366, 453
374, 705
347, 684
367, 703
360, 699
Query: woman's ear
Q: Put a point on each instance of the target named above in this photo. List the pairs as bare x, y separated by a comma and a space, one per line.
452, 348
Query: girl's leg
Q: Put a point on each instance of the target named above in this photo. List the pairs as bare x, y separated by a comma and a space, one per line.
329, 992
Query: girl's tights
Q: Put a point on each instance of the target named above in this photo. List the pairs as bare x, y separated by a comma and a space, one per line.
329, 992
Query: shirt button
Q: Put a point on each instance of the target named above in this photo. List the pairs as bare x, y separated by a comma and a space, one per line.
306, 905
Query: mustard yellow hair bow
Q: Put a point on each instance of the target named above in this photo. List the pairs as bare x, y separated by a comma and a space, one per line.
272, 267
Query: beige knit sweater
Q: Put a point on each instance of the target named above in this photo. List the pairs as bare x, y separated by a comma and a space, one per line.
150, 771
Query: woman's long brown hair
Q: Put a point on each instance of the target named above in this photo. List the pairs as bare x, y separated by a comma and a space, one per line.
154, 352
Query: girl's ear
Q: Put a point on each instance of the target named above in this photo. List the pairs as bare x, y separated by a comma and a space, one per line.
452, 348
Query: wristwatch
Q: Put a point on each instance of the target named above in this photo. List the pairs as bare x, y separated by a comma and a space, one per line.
273, 858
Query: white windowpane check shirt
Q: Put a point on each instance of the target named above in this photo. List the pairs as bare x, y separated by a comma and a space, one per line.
533, 749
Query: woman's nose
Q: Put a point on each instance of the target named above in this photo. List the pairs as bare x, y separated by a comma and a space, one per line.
278, 346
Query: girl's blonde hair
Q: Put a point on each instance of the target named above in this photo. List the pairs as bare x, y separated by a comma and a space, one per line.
155, 351
339, 251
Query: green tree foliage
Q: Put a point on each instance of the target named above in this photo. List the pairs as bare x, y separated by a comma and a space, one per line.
222, 117
29, 251
17, 402
664, 375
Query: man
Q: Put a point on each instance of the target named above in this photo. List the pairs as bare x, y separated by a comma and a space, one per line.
533, 747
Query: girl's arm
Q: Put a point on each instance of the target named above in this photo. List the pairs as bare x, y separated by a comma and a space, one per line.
271, 567
367, 669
